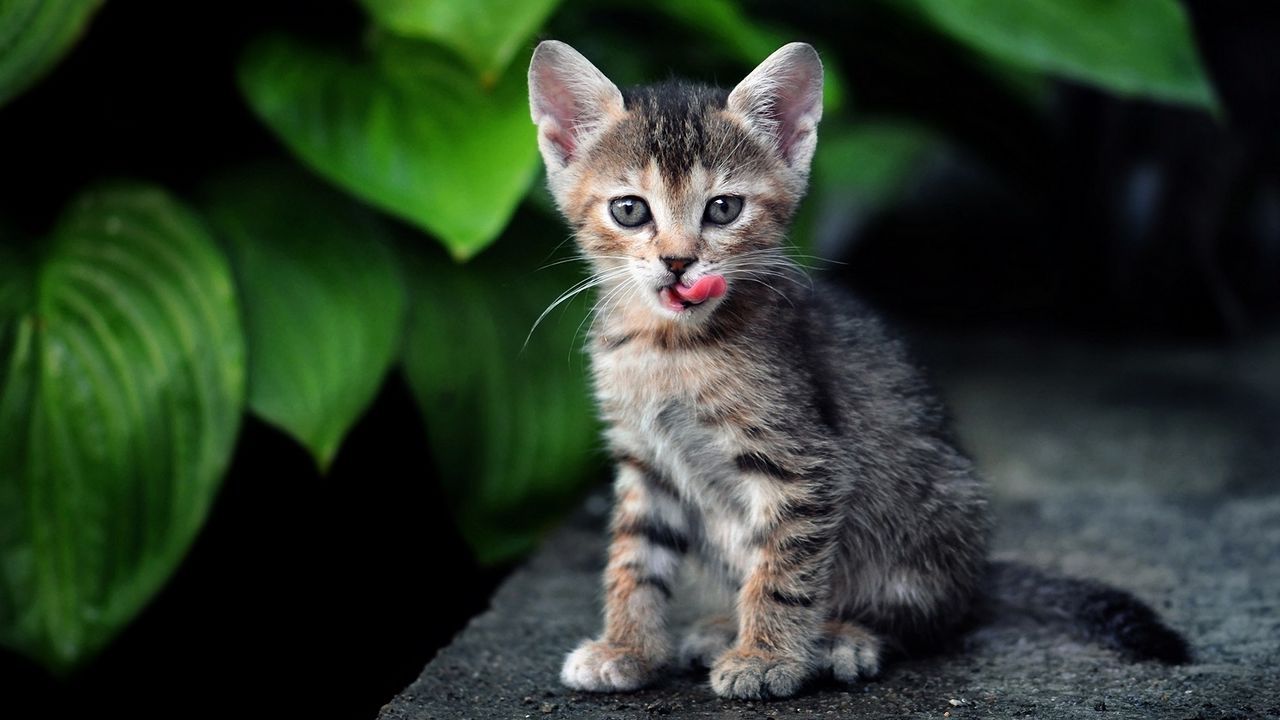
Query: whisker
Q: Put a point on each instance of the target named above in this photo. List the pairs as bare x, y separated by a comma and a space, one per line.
603, 304
582, 258
578, 287
559, 245
777, 270
763, 273
780, 294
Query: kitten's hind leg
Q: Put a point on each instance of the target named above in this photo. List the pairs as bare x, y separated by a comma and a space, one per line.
706, 640
853, 651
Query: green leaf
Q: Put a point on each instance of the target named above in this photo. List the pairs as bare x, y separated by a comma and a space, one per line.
1135, 47
34, 34
724, 23
15, 274
512, 430
413, 133
121, 389
858, 169
487, 33
870, 161
323, 302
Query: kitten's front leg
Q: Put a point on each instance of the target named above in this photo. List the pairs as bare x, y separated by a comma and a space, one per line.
649, 534
781, 606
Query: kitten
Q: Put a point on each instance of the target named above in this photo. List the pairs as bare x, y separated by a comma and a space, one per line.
765, 426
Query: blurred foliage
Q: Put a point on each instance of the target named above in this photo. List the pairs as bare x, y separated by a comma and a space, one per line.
123, 338
862, 167
324, 302
725, 25
487, 33
1136, 47
120, 398
411, 130
510, 424
34, 34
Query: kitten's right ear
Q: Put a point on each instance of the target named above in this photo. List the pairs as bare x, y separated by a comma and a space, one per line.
782, 99
570, 100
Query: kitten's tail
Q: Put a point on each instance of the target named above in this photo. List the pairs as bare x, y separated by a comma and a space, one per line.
1092, 610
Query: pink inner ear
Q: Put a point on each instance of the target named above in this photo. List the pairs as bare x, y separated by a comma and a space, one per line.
783, 96
792, 134
796, 98
556, 102
570, 98
563, 140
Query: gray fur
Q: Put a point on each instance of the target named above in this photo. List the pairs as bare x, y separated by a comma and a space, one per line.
778, 436
849, 418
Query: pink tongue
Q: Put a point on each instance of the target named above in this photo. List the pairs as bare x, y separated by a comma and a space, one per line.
708, 286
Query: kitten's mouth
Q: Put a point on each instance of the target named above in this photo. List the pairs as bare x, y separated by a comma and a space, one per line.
678, 298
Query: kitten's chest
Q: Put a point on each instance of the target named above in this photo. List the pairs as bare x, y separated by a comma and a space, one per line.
661, 408
657, 405
659, 393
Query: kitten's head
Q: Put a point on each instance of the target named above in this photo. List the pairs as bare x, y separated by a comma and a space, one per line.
678, 193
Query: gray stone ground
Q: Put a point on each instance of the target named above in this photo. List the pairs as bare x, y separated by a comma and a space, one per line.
1154, 469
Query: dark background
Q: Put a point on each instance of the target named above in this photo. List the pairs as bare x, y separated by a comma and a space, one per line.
303, 593
1123, 220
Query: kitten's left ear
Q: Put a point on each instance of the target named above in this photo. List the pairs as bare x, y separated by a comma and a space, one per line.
782, 99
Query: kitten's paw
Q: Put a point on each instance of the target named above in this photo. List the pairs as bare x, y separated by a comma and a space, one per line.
706, 640
855, 652
598, 666
753, 676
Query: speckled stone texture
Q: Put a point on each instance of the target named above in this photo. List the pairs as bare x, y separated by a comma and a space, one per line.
1156, 470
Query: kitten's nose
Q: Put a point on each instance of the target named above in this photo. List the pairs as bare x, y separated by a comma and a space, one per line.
677, 265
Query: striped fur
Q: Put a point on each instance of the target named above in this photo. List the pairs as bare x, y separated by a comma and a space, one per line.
778, 436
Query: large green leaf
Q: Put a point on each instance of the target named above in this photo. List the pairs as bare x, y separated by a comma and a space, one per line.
323, 301
34, 34
511, 429
1131, 47
488, 33
121, 389
412, 132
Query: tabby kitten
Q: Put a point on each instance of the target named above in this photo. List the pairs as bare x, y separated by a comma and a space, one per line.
765, 426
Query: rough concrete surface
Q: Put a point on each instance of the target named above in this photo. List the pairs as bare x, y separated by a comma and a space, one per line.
1156, 470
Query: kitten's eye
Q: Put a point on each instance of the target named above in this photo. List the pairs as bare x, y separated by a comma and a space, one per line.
723, 210
629, 211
